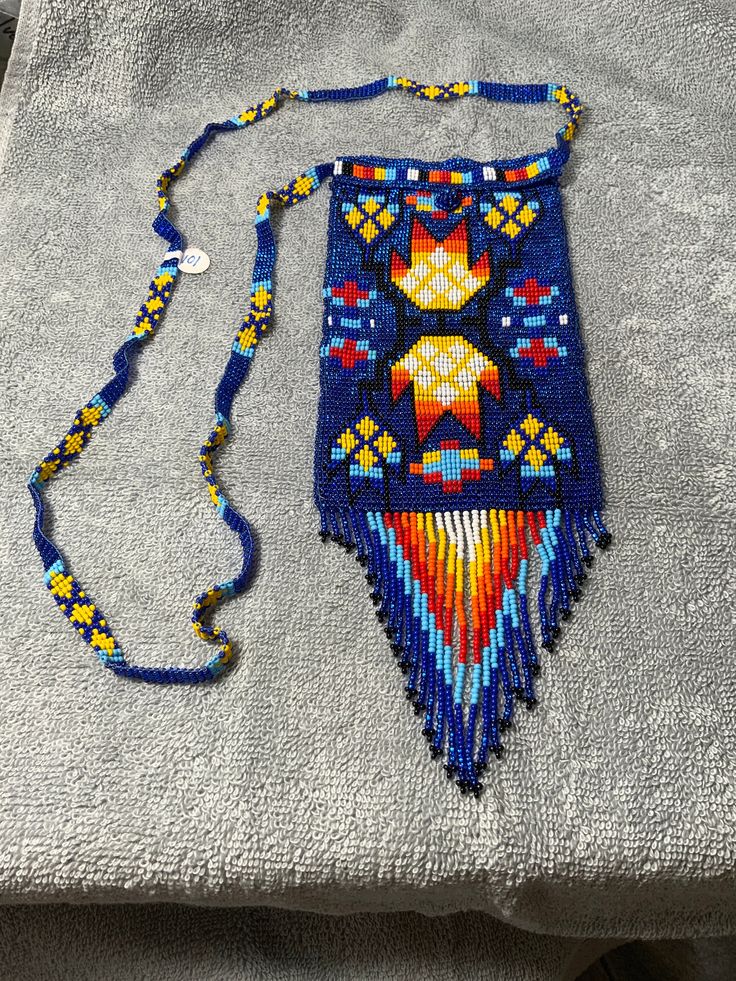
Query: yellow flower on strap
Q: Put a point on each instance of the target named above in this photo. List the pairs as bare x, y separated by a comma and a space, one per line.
155, 304
82, 613
47, 468
73, 443
91, 415
102, 641
61, 585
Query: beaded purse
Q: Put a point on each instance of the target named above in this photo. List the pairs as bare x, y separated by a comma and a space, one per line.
455, 438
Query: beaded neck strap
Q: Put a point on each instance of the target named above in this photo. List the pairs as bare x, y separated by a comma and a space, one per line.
454, 421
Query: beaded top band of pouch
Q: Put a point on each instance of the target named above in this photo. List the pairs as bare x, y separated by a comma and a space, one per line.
455, 451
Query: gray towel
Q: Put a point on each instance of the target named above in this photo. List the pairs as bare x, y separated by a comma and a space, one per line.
179, 943
298, 779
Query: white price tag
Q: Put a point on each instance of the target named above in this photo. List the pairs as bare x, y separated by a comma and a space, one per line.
194, 261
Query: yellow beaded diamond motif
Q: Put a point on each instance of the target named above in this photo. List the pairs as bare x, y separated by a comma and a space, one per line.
509, 214
366, 448
370, 215
81, 612
536, 447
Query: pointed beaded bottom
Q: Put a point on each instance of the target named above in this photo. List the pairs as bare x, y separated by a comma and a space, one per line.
450, 589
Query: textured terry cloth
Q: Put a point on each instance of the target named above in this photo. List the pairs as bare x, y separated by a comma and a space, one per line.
177, 943
297, 780
707, 959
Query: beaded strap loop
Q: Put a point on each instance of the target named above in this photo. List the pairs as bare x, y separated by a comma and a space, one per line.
68, 593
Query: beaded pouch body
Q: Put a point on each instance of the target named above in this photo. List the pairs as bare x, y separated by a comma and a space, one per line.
455, 446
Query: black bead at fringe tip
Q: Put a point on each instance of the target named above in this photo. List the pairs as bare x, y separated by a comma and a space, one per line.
465, 786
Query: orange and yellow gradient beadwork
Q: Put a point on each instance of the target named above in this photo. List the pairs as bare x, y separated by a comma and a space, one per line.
439, 277
446, 372
455, 443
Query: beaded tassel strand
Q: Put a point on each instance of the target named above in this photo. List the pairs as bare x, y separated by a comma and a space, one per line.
428, 571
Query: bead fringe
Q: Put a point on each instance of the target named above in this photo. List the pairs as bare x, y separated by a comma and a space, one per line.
450, 589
